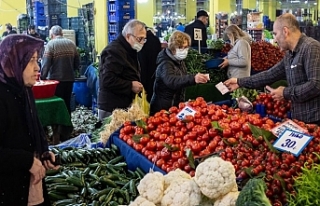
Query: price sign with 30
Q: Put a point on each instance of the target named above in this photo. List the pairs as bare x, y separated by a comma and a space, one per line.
292, 141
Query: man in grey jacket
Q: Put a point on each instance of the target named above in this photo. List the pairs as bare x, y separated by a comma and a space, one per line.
59, 62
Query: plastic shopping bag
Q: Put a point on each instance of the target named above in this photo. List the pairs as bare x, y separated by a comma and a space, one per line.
81, 141
142, 102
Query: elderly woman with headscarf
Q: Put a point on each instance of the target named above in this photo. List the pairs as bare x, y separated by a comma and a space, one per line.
238, 61
22, 139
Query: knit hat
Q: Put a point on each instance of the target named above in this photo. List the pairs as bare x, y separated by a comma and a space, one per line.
202, 13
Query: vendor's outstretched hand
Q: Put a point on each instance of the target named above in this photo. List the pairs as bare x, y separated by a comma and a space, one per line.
232, 84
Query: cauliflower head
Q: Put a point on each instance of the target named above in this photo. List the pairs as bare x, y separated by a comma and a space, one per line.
183, 192
215, 177
151, 187
174, 176
229, 199
141, 201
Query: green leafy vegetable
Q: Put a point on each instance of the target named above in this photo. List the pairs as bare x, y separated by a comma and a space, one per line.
267, 136
253, 194
216, 44
307, 186
190, 158
251, 94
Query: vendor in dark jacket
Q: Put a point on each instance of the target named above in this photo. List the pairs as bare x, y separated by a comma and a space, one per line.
119, 71
22, 139
148, 61
200, 23
171, 74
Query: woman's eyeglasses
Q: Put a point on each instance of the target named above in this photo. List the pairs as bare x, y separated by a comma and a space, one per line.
139, 39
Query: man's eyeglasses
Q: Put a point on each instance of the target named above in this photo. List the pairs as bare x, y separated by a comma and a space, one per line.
139, 39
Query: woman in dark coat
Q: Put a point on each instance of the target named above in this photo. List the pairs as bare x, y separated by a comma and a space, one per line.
171, 74
22, 140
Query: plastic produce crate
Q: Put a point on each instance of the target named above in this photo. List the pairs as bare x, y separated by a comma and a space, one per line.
125, 5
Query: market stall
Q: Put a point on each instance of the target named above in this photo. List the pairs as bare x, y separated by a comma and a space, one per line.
53, 112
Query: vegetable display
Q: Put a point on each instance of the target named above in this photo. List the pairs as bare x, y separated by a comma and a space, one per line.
253, 194
195, 63
276, 109
306, 186
216, 44
92, 177
264, 55
119, 116
165, 190
237, 137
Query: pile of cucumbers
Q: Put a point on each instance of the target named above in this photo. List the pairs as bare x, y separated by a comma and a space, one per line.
95, 177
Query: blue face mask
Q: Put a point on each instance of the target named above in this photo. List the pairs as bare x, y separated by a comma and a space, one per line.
181, 54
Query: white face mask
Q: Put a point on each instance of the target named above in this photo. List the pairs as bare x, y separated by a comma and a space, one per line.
181, 54
136, 46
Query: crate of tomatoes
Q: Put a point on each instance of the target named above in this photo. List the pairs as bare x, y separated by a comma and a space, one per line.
276, 110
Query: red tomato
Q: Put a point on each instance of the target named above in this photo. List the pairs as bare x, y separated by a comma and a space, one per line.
176, 155
151, 145
165, 153
144, 140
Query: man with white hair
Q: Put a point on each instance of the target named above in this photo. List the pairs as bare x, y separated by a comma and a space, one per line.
59, 62
119, 70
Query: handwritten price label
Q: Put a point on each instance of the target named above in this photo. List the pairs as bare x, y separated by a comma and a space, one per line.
185, 111
197, 34
292, 141
290, 125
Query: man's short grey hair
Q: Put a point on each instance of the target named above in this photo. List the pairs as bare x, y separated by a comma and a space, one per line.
131, 25
56, 30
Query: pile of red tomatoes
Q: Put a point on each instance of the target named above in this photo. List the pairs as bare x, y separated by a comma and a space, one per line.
163, 139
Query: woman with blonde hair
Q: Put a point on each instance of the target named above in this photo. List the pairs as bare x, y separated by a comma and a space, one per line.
238, 60
171, 76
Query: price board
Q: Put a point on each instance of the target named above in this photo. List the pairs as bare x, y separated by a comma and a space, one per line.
185, 111
292, 141
197, 34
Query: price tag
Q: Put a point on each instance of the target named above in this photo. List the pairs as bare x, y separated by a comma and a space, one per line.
197, 34
185, 111
290, 125
292, 141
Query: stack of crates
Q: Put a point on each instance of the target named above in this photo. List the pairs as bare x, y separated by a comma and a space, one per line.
56, 13
119, 13
77, 24
39, 18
